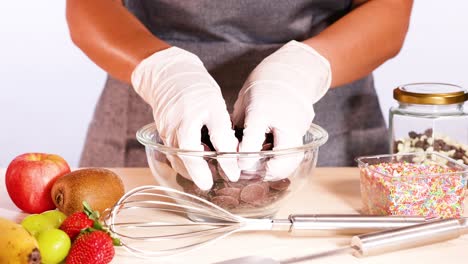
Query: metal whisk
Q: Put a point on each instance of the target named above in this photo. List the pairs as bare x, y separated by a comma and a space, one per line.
156, 221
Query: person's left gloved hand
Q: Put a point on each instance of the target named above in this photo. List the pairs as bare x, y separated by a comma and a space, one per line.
278, 98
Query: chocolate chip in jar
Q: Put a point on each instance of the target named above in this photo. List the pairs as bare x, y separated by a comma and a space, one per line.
419, 144
428, 141
413, 135
459, 153
396, 144
428, 132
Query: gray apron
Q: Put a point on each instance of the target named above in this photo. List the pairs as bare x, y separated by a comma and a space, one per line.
231, 37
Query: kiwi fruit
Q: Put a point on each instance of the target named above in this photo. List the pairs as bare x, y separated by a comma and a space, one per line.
100, 188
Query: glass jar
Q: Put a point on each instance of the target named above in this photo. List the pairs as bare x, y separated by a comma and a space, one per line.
430, 117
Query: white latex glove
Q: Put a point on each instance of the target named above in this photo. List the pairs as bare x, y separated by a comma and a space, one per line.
278, 97
184, 97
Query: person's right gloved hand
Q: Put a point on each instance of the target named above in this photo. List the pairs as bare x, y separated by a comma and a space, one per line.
184, 97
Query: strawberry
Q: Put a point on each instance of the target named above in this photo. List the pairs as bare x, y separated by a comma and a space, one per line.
95, 247
76, 222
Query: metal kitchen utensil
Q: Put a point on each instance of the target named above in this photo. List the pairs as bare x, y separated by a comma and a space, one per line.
176, 222
269, 260
379, 242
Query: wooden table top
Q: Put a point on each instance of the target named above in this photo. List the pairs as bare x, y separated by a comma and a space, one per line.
329, 190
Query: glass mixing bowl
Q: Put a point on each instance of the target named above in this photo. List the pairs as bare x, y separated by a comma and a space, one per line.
254, 194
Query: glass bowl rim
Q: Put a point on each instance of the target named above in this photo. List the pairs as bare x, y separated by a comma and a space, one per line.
320, 139
363, 164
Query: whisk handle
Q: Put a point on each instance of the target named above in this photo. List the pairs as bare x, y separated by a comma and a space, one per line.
406, 237
348, 224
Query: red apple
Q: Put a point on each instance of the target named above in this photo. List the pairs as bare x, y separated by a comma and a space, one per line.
29, 179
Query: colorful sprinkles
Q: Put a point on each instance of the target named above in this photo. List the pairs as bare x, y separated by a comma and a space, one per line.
403, 188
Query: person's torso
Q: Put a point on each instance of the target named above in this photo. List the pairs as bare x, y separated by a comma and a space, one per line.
232, 36
241, 21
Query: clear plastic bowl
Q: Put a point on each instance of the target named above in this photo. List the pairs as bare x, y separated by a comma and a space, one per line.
422, 184
252, 195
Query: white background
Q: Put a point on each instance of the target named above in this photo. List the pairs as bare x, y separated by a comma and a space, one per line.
49, 88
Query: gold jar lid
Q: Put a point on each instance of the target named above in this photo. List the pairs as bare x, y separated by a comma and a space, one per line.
430, 93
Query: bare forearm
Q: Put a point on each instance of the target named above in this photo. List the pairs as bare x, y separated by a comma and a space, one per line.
363, 39
110, 35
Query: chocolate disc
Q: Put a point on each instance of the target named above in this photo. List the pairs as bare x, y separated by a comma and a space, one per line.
193, 189
229, 191
225, 201
252, 193
280, 185
266, 186
237, 184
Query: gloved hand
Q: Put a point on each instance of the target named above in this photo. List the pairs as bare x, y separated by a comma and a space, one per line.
278, 97
184, 97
